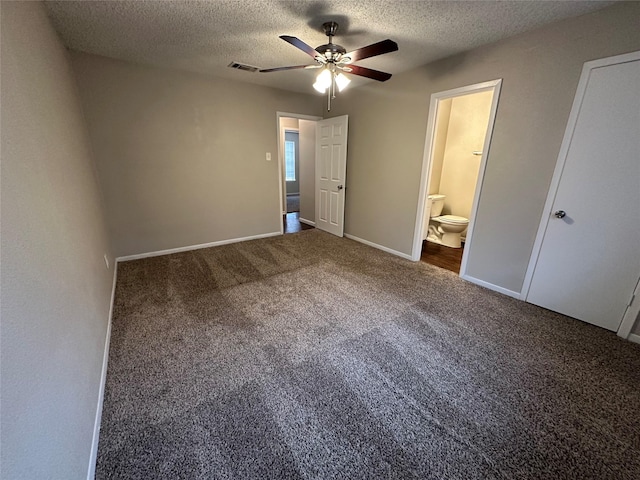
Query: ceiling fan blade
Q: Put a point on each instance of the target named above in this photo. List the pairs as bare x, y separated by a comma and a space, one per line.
296, 42
367, 72
380, 48
294, 67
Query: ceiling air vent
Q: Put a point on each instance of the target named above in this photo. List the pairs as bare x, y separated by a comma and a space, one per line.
242, 66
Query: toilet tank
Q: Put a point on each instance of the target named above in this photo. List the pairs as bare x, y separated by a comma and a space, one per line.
437, 203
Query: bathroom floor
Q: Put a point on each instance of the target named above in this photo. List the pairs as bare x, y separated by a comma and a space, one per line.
441, 256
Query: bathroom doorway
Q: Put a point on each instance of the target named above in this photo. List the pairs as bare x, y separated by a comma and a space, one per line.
456, 150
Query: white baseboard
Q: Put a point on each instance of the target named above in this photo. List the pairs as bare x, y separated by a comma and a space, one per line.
491, 286
634, 338
379, 247
91, 473
169, 251
307, 222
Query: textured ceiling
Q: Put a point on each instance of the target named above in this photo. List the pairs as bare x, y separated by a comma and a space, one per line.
205, 36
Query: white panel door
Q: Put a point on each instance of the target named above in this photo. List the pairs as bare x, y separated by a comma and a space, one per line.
331, 173
589, 260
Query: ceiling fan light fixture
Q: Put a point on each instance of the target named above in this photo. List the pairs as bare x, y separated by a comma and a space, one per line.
319, 88
334, 59
323, 81
342, 81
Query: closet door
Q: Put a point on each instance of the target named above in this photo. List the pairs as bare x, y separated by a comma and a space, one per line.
589, 258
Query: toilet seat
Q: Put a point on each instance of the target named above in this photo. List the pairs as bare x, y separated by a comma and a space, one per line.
452, 219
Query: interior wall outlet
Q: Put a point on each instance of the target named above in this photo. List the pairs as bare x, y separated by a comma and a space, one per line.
106, 261
268, 156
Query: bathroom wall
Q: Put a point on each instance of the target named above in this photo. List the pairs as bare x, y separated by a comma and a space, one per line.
439, 144
465, 134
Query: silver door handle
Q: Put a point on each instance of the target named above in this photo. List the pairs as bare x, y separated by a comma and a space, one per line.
560, 214
340, 187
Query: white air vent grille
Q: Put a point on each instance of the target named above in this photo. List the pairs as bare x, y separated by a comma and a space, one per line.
242, 66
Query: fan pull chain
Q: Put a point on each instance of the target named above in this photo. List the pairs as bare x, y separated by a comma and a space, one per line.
331, 91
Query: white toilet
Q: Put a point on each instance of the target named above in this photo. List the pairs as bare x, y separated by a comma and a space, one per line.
444, 229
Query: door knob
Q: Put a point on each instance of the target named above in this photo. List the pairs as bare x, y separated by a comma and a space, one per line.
340, 187
560, 214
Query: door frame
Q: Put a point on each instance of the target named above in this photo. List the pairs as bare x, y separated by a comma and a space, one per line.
427, 160
631, 315
281, 190
629, 319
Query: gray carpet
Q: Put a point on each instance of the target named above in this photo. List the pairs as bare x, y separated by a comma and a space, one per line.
307, 356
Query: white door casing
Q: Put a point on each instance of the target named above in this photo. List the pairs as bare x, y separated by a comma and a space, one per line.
331, 173
586, 260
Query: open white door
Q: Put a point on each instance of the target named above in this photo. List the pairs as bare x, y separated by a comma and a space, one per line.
331, 173
589, 258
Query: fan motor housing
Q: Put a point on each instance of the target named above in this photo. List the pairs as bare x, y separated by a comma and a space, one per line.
331, 50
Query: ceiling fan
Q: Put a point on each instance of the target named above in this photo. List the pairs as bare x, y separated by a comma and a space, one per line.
335, 61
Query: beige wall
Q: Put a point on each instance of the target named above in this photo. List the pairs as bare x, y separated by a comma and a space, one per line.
388, 122
308, 170
55, 287
181, 157
468, 121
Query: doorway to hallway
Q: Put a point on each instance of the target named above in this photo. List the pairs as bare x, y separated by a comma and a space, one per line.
296, 161
322, 169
